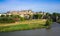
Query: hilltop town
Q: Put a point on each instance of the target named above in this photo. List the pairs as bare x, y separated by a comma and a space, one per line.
27, 19
23, 13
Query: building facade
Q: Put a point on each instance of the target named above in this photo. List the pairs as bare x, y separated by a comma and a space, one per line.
23, 13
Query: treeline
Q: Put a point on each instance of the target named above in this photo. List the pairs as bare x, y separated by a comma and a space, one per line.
15, 18
54, 16
10, 18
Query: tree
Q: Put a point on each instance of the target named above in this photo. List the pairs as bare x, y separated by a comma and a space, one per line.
48, 22
39, 16
7, 15
35, 16
55, 16
48, 15
2, 15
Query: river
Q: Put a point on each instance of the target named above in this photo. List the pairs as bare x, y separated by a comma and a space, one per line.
54, 31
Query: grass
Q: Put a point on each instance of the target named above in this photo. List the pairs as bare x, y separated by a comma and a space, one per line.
23, 25
20, 27
34, 21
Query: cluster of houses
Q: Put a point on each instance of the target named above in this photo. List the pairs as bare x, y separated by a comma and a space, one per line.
23, 13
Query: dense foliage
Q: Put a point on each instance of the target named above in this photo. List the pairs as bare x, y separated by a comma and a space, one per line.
10, 18
48, 22
14, 18
6, 20
37, 16
58, 21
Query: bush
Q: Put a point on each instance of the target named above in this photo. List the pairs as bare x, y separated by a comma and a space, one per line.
12, 19
6, 20
22, 18
58, 21
48, 22
2, 15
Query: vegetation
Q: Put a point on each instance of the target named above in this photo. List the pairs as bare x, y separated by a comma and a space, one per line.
58, 21
37, 16
20, 27
6, 20
10, 18
48, 22
23, 25
55, 16
33, 21
2, 15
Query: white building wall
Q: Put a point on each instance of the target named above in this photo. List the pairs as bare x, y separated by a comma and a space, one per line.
22, 15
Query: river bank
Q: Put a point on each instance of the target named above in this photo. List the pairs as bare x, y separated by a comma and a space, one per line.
53, 31
25, 25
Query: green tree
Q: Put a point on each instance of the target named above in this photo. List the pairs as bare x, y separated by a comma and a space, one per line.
48, 15
37, 16
55, 15
7, 15
48, 22
2, 15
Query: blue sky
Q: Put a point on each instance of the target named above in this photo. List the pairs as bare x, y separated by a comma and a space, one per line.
35, 5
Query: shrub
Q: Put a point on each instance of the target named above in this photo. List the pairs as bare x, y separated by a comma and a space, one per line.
58, 21
2, 15
6, 20
22, 18
48, 22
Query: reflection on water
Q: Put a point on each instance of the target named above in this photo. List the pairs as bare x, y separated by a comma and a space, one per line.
54, 31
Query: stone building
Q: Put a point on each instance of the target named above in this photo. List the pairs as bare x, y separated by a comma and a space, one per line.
23, 13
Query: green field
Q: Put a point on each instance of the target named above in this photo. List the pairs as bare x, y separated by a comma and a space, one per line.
23, 25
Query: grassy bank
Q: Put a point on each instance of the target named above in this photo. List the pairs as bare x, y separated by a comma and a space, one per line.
34, 21
24, 25
20, 27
